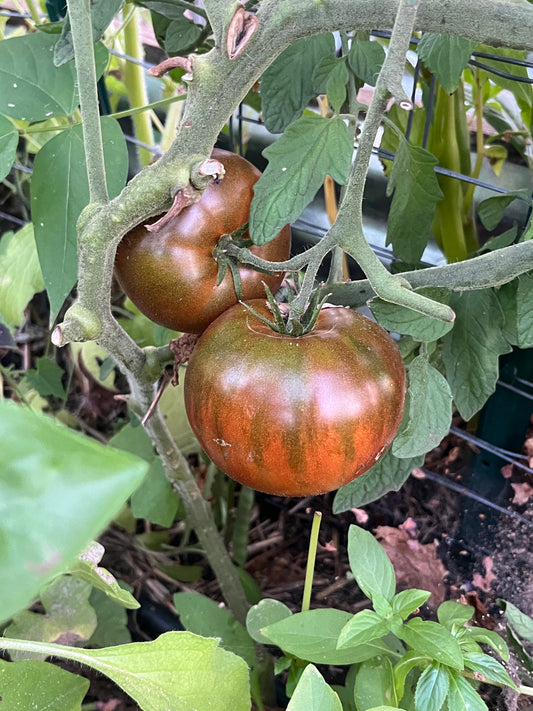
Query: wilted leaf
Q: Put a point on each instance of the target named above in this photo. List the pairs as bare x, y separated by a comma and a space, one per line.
522, 493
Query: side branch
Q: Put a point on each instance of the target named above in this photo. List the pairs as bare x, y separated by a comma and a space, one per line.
488, 270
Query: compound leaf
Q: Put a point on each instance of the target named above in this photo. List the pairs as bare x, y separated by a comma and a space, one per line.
311, 148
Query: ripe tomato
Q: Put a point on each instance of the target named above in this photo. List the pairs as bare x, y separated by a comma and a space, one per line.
171, 275
294, 416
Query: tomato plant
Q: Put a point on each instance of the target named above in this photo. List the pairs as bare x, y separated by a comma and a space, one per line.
295, 416
171, 274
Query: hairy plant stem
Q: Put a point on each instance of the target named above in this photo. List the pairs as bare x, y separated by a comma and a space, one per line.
199, 513
487, 270
82, 40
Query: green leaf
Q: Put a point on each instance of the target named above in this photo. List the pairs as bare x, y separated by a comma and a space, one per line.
493, 639
40, 685
335, 81
499, 241
472, 349
203, 616
428, 411
433, 640
313, 635
21, 276
370, 564
34, 89
68, 617
416, 193
46, 378
408, 601
446, 57
462, 696
58, 490
313, 694
102, 12
524, 311
374, 683
59, 192
112, 627
167, 8
363, 627
491, 210
452, 614
181, 36
86, 567
366, 59
399, 319
311, 148
265, 613
388, 474
287, 85
488, 667
9, 139
520, 623
432, 688
178, 671
155, 499
410, 660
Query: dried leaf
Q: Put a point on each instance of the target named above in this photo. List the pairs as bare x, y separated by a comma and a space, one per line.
484, 582
416, 565
522, 493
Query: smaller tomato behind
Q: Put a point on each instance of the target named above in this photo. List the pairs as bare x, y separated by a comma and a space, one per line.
171, 275
294, 416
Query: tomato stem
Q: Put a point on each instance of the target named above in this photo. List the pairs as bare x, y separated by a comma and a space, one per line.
311, 558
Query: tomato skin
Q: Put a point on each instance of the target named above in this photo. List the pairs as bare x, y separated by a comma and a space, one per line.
294, 416
171, 275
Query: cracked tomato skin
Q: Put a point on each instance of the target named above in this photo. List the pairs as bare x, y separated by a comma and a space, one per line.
295, 416
171, 275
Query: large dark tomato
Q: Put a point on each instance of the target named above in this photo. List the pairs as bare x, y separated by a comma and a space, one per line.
294, 416
171, 275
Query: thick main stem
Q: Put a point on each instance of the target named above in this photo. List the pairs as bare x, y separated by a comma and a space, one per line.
199, 512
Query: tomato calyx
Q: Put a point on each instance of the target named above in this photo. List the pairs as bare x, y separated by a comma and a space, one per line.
286, 320
227, 260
